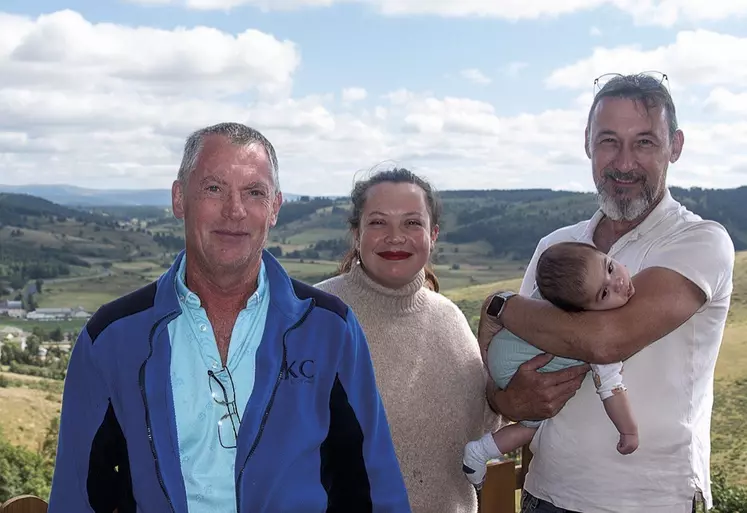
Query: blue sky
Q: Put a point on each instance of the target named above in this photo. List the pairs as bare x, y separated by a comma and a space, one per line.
519, 86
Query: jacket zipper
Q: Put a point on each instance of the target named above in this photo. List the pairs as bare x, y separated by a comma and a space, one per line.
266, 413
141, 380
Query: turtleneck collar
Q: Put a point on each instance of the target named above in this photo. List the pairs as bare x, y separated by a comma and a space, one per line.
403, 300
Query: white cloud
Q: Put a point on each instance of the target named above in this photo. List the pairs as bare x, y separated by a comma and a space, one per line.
63, 51
643, 12
595, 31
475, 76
353, 94
109, 105
723, 101
695, 57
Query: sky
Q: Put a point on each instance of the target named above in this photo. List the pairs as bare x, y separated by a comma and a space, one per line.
471, 94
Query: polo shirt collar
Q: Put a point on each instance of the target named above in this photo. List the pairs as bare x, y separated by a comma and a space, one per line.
663, 209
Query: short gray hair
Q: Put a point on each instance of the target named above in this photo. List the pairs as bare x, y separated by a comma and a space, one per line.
236, 133
643, 88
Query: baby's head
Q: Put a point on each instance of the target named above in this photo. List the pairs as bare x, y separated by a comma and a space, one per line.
575, 276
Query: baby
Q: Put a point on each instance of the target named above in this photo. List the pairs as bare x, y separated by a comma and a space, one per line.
575, 277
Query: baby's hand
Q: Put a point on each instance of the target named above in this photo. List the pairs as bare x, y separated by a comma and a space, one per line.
627, 444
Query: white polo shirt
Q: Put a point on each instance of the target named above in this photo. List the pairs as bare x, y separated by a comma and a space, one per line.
670, 383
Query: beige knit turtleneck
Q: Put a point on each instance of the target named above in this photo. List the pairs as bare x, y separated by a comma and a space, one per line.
432, 382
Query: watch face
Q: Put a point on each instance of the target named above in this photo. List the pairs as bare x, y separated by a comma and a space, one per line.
495, 305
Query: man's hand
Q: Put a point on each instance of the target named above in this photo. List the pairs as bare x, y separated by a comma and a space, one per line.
487, 328
534, 395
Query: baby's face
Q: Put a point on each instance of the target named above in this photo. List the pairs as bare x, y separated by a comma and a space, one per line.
608, 283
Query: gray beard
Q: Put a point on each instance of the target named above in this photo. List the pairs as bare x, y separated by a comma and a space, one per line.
624, 208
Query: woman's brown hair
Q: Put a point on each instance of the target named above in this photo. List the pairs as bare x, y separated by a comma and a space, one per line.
358, 199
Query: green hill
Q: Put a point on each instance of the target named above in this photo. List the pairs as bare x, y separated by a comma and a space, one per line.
481, 231
43, 240
479, 226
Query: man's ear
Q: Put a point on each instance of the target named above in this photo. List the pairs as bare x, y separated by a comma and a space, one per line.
678, 142
587, 142
277, 203
177, 199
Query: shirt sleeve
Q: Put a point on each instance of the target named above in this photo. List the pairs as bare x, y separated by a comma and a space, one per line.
608, 379
530, 275
702, 253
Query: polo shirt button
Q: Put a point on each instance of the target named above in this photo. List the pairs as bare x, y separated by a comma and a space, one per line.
215, 365
203, 327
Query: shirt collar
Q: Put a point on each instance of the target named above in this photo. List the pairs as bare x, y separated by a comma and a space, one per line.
192, 300
667, 205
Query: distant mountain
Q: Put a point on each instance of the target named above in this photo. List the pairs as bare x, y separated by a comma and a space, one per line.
72, 195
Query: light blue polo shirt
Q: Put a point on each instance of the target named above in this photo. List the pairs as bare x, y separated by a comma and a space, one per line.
208, 467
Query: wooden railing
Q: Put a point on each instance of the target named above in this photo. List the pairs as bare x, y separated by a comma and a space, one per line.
498, 495
24, 504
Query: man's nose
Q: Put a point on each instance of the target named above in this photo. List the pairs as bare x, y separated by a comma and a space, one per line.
233, 207
626, 159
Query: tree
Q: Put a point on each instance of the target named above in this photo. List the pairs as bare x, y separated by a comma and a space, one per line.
275, 251
33, 343
48, 449
56, 335
23, 472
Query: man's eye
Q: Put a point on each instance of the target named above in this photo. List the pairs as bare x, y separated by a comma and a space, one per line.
604, 293
611, 268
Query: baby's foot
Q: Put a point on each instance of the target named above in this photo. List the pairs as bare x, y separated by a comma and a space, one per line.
475, 462
627, 443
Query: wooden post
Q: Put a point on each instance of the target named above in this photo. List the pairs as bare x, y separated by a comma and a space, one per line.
498, 494
24, 504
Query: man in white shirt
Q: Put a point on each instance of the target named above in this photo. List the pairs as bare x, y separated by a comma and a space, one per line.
669, 333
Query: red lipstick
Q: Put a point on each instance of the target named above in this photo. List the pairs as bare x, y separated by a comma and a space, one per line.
394, 255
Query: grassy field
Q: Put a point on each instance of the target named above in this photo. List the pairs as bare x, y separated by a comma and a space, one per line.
90, 294
66, 326
27, 405
308, 237
128, 276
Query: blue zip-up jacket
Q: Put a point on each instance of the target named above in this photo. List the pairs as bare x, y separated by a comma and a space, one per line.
313, 438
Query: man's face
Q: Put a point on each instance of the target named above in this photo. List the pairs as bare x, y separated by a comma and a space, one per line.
228, 204
630, 150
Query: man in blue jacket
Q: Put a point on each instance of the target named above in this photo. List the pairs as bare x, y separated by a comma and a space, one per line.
225, 385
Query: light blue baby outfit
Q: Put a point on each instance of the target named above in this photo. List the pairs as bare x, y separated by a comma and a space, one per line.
507, 352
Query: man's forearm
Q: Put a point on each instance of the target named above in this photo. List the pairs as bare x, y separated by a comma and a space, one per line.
555, 331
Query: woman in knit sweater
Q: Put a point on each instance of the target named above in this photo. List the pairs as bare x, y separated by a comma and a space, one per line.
427, 362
